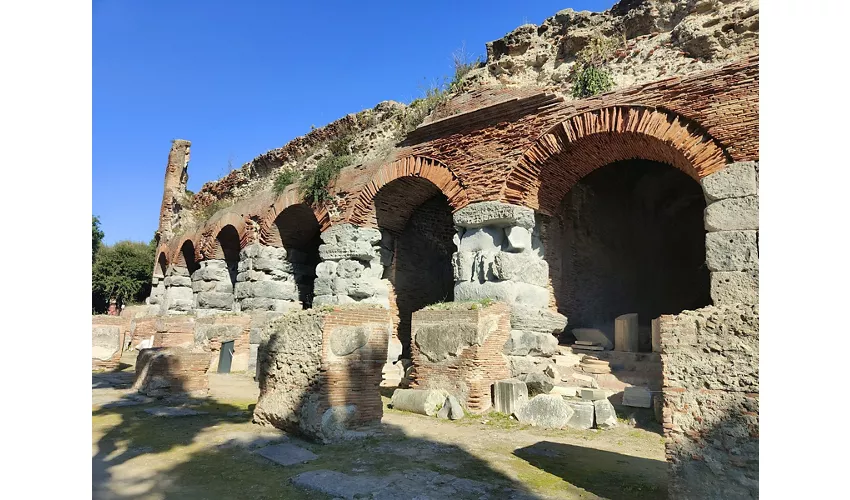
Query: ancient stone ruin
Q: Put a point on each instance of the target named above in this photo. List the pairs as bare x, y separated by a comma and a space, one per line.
519, 250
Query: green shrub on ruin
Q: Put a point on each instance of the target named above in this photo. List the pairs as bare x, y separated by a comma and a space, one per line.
286, 177
315, 185
589, 75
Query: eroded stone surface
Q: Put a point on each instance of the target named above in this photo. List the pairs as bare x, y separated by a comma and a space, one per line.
546, 410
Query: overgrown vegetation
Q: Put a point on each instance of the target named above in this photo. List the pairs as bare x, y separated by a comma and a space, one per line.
438, 92
315, 183
122, 272
589, 75
210, 210
468, 305
286, 177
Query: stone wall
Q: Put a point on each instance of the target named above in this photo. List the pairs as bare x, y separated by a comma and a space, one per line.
320, 370
351, 270
213, 285
178, 297
500, 257
107, 340
732, 222
212, 331
459, 349
710, 363
171, 371
270, 278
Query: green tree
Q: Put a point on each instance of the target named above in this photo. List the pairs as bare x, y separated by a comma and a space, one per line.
96, 236
122, 272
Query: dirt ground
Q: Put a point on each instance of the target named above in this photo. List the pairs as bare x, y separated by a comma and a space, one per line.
138, 455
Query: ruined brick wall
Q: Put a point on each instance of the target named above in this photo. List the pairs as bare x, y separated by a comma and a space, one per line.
320, 370
165, 371
460, 350
710, 361
211, 331
174, 331
175, 185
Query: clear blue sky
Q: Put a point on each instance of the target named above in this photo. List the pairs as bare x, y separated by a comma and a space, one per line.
240, 78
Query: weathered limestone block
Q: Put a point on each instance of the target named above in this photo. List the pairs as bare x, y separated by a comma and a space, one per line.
105, 341
281, 290
509, 292
266, 304
494, 213
639, 397
509, 395
521, 267
626, 333
178, 281
583, 412
606, 417
344, 340
733, 214
735, 286
462, 266
360, 250
482, 239
349, 269
534, 319
423, 402
212, 286
735, 181
215, 300
523, 365
342, 233
518, 239
594, 335
326, 269
438, 342
546, 410
523, 343
732, 250
270, 265
538, 383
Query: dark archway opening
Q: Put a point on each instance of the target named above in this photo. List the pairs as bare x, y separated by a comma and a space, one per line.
161, 265
419, 218
629, 238
229, 247
298, 231
186, 258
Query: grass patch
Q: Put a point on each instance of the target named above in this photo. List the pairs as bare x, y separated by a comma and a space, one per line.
464, 305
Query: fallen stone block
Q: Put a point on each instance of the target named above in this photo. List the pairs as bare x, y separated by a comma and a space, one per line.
455, 408
565, 391
286, 454
536, 319
522, 343
593, 394
423, 402
594, 336
639, 397
546, 410
606, 417
538, 383
583, 412
585, 380
509, 395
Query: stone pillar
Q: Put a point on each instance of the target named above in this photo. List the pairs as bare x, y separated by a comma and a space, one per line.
500, 257
157, 291
267, 281
212, 287
351, 270
732, 222
178, 297
176, 176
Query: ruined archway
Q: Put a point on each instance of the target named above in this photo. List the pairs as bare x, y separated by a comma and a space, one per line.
574, 148
186, 257
416, 216
297, 230
628, 238
227, 249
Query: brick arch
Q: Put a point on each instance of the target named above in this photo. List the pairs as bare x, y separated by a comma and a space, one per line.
208, 247
186, 255
574, 148
410, 167
269, 231
160, 266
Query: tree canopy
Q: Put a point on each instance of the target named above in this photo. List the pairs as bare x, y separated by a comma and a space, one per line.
96, 236
122, 271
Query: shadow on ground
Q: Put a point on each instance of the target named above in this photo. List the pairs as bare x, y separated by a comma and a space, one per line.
604, 473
